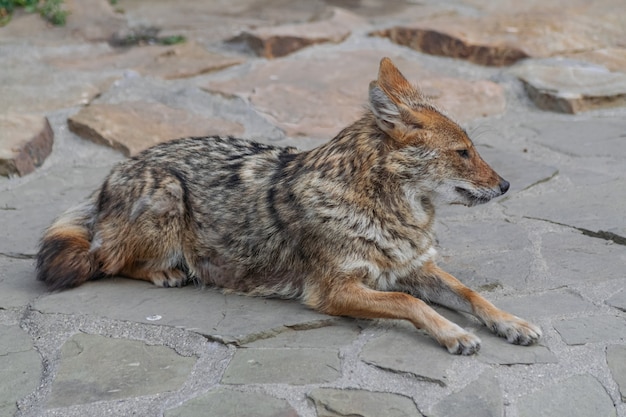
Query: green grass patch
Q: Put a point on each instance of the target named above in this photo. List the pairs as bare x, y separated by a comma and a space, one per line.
51, 10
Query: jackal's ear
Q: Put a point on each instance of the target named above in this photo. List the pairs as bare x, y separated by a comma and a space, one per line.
395, 85
386, 111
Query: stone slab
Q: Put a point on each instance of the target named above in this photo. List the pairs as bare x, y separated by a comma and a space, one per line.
223, 402
25, 142
616, 359
618, 300
496, 350
276, 41
550, 304
331, 402
28, 208
96, 368
226, 318
502, 39
212, 22
184, 60
614, 59
334, 336
134, 126
27, 85
17, 280
595, 329
484, 253
571, 257
480, 398
406, 350
283, 366
570, 88
88, 21
329, 97
92, 20
577, 396
20, 367
181, 96
581, 207
588, 138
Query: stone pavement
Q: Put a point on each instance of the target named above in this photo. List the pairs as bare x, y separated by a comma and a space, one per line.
541, 87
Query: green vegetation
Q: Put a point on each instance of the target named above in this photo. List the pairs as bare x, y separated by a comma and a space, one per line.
48, 9
145, 35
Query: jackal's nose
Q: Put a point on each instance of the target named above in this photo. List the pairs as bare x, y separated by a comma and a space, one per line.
504, 186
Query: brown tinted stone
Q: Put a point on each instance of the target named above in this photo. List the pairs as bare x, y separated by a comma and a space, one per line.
25, 142
504, 39
134, 126
169, 62
183, 61
316, 96
92, 20
567, 88
277, 41
613, 59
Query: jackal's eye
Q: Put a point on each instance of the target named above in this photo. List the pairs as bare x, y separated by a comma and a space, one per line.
463, 153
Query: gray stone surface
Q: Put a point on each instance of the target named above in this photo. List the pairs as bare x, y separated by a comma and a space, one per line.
601, 137
25, 142
17, 279
521, 172
405, 350
572, 257
616, 359
95, 368
286, 366
593, 215
26, 214
577, 396
231, 319
550, 304
358, 403
223, 402
618, 300
20, 367
503, 259
333, 336
594, 329
481, 398
496, 350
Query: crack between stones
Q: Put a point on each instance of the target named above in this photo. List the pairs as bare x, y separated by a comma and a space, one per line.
16, 255
417, 376
267, 334
600, 234
541, 181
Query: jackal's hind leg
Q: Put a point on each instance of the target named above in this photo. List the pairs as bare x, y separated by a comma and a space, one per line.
161, 278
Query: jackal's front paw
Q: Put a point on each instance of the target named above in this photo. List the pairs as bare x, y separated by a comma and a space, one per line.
517, 331
460, 342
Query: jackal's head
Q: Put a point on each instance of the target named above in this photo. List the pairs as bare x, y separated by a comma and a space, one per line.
428, 150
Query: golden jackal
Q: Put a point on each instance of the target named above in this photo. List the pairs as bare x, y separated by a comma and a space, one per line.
346, 227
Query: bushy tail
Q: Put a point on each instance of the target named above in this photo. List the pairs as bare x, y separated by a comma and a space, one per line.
64, 259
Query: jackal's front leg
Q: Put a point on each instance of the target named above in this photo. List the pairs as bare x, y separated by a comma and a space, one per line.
446, 290
353, 299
